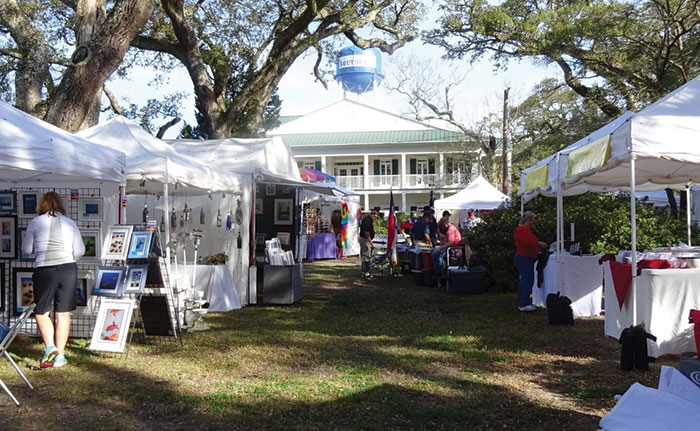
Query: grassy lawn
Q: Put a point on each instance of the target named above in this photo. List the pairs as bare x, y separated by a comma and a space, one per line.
353, 355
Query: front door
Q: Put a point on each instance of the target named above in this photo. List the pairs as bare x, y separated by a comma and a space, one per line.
385, 172
421, 171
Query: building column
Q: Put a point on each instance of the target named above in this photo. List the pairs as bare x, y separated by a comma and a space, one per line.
366, 176
323, 164
442, 195
403, 176
366, 207
404, 208
441, 167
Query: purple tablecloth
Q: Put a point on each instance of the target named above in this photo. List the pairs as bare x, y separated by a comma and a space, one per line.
321, 246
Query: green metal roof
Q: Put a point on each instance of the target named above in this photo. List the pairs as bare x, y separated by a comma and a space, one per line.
287, 118
382, 137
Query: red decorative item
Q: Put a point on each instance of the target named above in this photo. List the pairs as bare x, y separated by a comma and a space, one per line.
622, 277
695, 320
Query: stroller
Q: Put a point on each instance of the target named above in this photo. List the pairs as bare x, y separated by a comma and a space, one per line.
381, 263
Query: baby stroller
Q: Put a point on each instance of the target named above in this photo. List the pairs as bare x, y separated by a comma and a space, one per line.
381, 263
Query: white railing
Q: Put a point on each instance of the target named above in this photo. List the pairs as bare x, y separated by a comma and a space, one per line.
384, 181
351, 182
460, 179
421, 180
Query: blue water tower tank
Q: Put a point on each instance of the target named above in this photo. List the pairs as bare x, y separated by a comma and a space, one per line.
358, 69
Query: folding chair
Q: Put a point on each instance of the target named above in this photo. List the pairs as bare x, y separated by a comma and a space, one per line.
5, 343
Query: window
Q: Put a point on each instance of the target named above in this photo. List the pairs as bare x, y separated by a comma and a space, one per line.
421, 170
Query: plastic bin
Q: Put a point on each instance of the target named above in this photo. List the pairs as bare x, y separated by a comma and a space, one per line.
466, 281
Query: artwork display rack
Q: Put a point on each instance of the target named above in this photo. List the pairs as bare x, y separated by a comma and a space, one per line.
12, 290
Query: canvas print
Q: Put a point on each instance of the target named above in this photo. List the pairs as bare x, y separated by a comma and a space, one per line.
270, 189
112, 325
136, 279
283, 211
82, 288
92, 239
116, 242
28, 202
109, 281
23, 289
23, 257
8, 237
258, 206
140, 244
90, 209
8, 201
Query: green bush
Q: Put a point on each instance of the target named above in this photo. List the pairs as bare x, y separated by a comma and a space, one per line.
601, 225
380, 224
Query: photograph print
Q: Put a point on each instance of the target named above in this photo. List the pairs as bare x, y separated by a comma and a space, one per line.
92, 239
23, 257
136, 279
90, 209
109, 281
22, 289
258, 206
8, 201
140, 244
112, 325
116, 242
283, 211
28, 202
8, 237
270, 189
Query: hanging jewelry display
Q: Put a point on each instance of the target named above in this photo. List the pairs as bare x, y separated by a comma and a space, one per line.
228, 220
239, 213
145, 210
186, 212
173, 219
218, 217
162, 223
201, 215
239, 240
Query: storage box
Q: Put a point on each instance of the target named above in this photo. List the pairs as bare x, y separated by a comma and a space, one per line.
415, 260
282, 284
466, 281
427, 261
690, 367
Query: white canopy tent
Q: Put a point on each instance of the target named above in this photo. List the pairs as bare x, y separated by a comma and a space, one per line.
479, 195
650, 150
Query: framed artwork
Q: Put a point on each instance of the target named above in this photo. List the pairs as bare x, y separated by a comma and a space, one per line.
82, 292
116, 242
90, 209
283, 211
286, 189
8, 237
112, 325
22, 289
258, 206
20, 236
28, 201
270, 189
136, 279
2, 287
260, 240
8, 201
140, 244
109, 281
257, 188
92, 239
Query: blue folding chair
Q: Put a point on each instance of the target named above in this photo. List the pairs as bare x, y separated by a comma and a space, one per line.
5, 343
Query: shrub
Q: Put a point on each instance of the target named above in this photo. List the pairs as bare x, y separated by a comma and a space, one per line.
601, 225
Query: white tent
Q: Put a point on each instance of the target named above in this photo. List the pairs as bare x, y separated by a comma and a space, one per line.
151, 163
479, 195
33, 150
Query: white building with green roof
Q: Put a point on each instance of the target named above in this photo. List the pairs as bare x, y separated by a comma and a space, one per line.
373, 151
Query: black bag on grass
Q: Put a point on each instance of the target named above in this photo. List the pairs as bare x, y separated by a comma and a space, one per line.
634, 352
559, 310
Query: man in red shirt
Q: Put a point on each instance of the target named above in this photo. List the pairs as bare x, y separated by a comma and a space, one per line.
527, 248
406, 227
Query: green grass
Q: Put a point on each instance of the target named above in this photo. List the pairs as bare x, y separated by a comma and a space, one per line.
353, 355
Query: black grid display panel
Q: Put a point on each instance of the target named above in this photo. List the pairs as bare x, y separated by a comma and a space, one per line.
83, 319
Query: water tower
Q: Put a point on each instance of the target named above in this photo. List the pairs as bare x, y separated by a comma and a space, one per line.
359, 70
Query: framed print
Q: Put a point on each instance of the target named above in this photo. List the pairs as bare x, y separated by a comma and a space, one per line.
116, 242
140, 244
109, 281
257, 188
20, 236
112, 325
82, 292
286, 189
8, 237
258, 206
136, 279
28, 202
22, 289
8, 201
270, 189
90, 209
92, 239
260, 240
2, 287
283, 211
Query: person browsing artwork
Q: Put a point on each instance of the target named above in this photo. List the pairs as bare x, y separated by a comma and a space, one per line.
366, 237
527, 248
55, 242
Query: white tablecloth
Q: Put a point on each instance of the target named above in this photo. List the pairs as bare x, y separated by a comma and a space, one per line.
580, 279
664, 299
216, 282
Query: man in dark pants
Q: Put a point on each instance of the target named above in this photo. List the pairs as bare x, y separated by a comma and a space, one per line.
366, 237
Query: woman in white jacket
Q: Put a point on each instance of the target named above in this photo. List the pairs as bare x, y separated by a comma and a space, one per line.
55, 242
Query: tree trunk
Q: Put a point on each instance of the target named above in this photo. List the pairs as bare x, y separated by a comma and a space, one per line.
672, 203
75, 95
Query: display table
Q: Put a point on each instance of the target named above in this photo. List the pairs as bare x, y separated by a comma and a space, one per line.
664, 298
217, 283
321, 246
580, 279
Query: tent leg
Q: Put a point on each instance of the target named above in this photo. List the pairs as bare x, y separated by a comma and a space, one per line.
687, 212
633, 220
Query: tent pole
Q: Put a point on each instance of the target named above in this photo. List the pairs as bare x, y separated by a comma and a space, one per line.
167, 226
633, 220
687, 211
522, 204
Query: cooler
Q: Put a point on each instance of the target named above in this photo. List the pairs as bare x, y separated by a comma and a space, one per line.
466, 281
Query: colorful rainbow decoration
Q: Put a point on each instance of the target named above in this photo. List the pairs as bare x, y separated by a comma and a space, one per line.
344, 224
